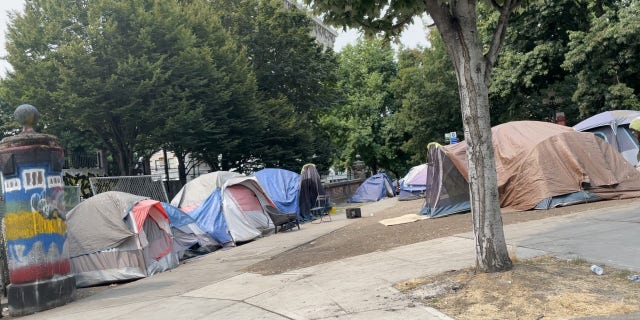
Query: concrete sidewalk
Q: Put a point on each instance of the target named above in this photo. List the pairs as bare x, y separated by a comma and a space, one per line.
214, 287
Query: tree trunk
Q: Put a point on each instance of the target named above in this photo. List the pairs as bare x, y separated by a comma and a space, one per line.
182, 168
459, 32
123, 161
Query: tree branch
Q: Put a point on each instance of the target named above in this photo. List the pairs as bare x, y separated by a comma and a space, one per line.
499, 34
496, 5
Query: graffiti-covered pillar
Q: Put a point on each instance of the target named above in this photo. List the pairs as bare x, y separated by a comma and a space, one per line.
34, 224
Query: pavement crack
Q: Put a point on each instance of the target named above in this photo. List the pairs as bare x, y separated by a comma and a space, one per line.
268, 310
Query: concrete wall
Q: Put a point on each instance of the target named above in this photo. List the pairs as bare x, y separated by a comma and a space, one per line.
341, 191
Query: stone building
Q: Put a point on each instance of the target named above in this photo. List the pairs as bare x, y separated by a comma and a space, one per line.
325, 35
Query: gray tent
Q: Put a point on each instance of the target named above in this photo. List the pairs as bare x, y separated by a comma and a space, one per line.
196, 191
116, 236
613, 127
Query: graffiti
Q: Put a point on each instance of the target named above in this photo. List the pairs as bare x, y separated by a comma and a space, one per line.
35, 246
49, 210
35, 228
81, 180
23, 225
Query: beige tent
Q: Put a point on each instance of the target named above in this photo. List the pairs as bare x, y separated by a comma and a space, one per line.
536, 161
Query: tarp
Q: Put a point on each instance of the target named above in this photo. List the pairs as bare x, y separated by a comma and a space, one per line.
210, 218
115, 236
613, 127
536, 161
373, 189
189, 239
282, 186
310, 188
197, 190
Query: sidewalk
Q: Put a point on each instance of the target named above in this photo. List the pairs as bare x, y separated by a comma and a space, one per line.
214, 286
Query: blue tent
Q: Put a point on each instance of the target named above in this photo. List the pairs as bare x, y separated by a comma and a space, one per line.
210, 218
373, 189
282, 186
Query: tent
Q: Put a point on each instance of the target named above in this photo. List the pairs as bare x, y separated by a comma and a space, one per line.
414, 184
613, 127
235, 212
197, 190
189, 239
116, 236
373, 189
282, 186
539, 165
310, 188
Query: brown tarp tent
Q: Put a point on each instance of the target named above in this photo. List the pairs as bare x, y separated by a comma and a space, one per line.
540, 160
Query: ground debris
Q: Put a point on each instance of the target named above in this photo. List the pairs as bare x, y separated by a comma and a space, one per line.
540, 288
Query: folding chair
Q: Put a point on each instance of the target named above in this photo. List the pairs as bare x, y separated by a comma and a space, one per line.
285, 221
322, 208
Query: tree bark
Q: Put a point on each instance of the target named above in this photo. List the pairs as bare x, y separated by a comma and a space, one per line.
458, 27
182, 171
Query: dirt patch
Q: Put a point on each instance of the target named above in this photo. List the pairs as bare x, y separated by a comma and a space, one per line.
368, 235
540, 288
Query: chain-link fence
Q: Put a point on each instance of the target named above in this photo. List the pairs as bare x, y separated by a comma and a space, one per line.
81, 160
145, 186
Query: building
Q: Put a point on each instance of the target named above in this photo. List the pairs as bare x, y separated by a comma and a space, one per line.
325, 35
157, 166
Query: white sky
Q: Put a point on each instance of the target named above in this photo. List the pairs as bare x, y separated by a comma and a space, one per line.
5, 6
413, 37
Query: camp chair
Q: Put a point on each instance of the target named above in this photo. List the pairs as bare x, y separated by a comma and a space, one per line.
322, 207
283, 220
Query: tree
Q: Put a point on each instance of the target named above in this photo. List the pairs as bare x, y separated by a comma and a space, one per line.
139, 75
457, 22
365, 75
427, 87
528, 82
212, 93
606, 62
296, 80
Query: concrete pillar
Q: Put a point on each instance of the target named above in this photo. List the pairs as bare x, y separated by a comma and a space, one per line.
34, 224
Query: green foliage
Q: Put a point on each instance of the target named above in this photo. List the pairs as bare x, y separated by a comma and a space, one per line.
296, 80
135, 74
366, 73
528, 82
428, 91
606, 62
372, 17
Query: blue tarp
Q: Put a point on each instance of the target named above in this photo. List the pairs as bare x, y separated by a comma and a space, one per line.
567, 200
373, 189
210, 218
177, 217
282, 186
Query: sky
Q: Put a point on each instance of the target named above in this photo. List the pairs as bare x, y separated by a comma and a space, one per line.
6, 5
413, 37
